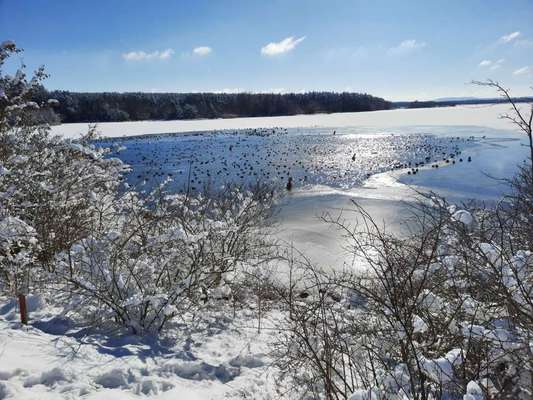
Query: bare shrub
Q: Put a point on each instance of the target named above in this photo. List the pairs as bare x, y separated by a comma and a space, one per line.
522, 119
433, 313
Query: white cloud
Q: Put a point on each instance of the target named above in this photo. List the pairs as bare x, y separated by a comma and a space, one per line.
202, 51
406, 47
144, 56
166, 54
521, 71
510, 37
492, 65
284, 46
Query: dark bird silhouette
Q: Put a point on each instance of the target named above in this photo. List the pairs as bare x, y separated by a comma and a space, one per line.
289, 184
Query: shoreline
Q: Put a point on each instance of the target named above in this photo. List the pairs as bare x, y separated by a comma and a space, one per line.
484, 115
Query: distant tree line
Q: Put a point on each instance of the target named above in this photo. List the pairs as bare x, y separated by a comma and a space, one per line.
100, 107
451, 103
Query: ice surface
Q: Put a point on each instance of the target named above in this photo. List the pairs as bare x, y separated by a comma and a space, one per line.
478, 115
330, 171
309, 157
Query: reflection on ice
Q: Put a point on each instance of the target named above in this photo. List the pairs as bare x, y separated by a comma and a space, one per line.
329, 171
310, 157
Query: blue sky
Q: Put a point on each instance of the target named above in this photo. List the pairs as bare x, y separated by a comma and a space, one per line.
400, 50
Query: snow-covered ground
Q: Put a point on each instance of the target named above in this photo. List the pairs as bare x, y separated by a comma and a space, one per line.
52, 358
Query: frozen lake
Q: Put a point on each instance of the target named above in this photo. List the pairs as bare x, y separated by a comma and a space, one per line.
477, 115
307, 157
377, 159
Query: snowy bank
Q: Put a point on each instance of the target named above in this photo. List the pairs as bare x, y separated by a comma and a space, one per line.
479, 115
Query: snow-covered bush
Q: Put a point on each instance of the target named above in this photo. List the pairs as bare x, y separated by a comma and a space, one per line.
17, 246
165, 256
62, 189
434, 314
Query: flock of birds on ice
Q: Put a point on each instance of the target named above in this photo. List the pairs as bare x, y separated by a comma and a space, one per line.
284, 158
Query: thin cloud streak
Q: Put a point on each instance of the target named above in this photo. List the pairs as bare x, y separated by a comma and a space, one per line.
521, 71
144, 56
284, 46
510, 37
406, 47
492, 65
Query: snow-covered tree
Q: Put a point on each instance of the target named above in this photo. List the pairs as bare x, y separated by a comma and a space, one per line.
61, 188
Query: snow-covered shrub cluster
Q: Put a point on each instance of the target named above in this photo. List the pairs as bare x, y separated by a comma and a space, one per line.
58, 189
17, 247
70, 226
164, 257
443, 313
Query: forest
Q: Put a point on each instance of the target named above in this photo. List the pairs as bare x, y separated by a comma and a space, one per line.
107, 107
138, 106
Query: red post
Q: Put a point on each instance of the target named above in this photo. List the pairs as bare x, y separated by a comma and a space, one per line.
23, 309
